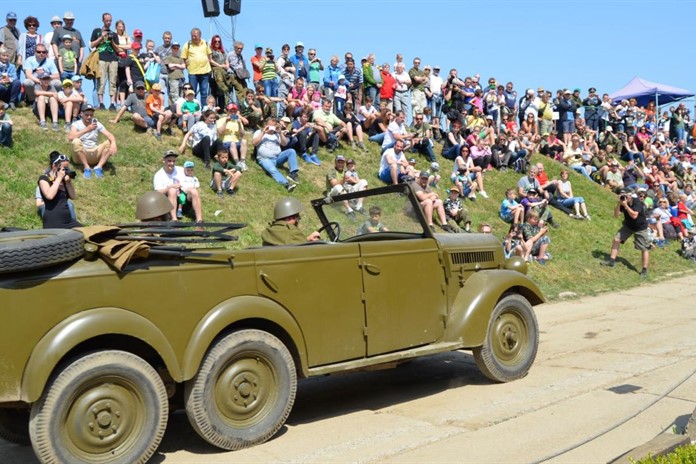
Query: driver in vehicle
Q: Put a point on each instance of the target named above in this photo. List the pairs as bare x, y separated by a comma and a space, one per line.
284, 230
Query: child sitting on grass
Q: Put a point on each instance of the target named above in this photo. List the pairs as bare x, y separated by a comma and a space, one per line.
511, 211
535, 238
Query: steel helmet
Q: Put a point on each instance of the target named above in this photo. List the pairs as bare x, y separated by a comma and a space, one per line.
152, 205
286, 207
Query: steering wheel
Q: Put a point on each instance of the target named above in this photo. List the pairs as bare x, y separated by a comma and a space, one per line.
335, 227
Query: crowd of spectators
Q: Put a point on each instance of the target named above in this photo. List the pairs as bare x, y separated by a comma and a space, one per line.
280, 109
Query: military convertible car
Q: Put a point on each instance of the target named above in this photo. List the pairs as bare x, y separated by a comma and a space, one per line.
106, 330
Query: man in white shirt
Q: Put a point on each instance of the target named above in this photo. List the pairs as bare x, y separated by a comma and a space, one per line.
167, 181
435, 86
403, 83
396, 130
394, 167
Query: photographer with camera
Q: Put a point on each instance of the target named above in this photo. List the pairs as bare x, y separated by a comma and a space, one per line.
105, 41
635, 223
56, 187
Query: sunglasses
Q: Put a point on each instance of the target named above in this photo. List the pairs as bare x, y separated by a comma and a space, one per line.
60, 159
32, 25
40, 51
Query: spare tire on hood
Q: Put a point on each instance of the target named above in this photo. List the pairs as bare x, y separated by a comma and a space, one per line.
35, 249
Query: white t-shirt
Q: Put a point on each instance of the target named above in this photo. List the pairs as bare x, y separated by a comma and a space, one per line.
91, 138
393, 128
365, 110
435, 83
189, 182
384, 163
163, 179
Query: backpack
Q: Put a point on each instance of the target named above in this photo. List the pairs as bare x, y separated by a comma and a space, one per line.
520, 165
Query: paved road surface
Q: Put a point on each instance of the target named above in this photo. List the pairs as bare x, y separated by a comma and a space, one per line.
621, 364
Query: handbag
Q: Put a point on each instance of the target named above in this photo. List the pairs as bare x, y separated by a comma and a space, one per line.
152, 75
241, 73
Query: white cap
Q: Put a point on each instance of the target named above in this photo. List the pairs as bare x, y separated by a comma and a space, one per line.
69, 15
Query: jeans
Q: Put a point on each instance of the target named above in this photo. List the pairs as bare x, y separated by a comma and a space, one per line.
436, 106
581, 169
452, 152
632, 156
270, 165
569, 202
305, 139
11, 94
425, 149
5, 135
204, 148
377, 138
373, 92
681, 133
270, 86
202, 80
401, 101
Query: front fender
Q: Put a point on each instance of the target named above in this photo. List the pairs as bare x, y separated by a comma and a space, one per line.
233, 311
82, 327
473, 305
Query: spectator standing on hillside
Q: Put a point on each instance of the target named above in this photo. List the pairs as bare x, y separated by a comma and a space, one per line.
175, 73
105, 41
418, 82
196, 55
78, 43
9, 36
237, 70
635, 223
163, 51
372, 80
10, 85
403, 83
56, 23
566, 109
354, 81
28, 40
300, 62
84, 136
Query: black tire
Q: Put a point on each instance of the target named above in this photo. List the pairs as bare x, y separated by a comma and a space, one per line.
36, 249
14, 425
105, 407
512, 340
243, 391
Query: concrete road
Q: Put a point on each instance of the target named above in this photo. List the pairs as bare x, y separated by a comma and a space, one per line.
612, 372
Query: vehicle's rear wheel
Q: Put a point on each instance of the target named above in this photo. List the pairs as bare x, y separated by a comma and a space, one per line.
34, 249
14, 425
511, 343
105, 407
244, 390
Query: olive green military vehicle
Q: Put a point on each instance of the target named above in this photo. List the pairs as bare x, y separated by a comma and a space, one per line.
96, 351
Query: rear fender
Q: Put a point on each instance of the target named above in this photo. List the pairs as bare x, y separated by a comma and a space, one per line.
234, 311
82, 327
472, 308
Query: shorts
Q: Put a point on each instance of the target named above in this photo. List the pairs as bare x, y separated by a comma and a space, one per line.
568, 126
150, 122
93, 155
641, 241
225, 184
227, 145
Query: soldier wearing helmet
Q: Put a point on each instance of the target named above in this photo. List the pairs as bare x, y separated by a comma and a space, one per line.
153, 206
284, 230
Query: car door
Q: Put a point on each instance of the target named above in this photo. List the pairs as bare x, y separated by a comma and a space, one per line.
405, 297
321, 285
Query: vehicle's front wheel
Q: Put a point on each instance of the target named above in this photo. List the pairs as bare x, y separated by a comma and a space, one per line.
511, 343
244, 390
105, 407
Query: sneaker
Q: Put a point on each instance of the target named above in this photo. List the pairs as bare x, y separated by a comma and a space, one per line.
231, 192
220, 194
467, 227
541, 261
158, 136
587, 216
112, 107
98, 173
353, 145
68, 127
294, 177
150, 131
608, 263
179, 213
483, 194
168, 131
101, 106
362, 147
432, 228
42, 124
447, 228
55, 127
87, 173
243, 166
472, 196
575, 216
660, 243
351, 215
207, 164
306, 158
315, 159
290, 187
361, 211
554, 224
644, 273
11, 106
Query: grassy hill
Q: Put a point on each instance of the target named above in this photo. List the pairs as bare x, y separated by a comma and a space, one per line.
577, 246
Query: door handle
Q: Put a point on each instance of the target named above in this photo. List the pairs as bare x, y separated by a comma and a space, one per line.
268, 281
372, 269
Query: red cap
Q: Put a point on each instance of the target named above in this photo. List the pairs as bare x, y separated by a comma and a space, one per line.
232, 106
136, 46
137, 33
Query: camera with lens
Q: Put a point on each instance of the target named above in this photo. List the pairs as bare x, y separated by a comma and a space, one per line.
69, 173
623, 197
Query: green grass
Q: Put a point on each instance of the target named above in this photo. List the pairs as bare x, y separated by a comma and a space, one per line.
682, 455
577, 246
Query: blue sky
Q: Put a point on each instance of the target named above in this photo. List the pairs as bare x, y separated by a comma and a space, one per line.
554, 44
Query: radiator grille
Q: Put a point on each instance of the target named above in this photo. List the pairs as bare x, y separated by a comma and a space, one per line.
471, 257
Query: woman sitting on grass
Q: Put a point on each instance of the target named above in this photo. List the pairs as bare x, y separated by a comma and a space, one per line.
566, 198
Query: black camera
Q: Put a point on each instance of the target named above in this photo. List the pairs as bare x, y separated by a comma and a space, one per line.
69, 173
623, 197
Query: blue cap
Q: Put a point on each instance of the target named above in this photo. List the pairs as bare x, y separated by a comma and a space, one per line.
76, 78
258, 46
11, 15
189, 164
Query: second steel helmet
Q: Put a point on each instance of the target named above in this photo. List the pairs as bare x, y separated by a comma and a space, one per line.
286, 207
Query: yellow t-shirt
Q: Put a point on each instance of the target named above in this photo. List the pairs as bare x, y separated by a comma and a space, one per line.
231, 130
197, 57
